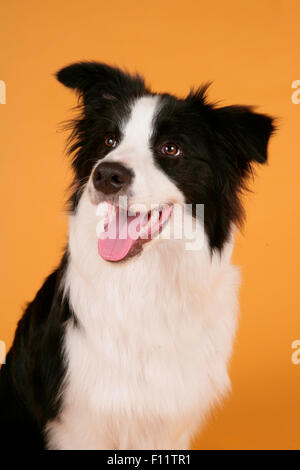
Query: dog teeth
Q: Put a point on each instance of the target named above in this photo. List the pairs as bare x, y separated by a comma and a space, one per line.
102, 209
100, 227
111, 213
154, 217
135, 209
106, 211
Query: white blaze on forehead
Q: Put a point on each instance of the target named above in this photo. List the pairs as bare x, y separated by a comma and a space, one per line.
138, 129
134, 147
151, 185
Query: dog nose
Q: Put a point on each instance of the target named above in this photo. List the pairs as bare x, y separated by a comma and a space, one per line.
110, 177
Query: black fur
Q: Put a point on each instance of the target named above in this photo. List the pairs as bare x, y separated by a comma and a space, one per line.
105, 93
219, 146
34, 371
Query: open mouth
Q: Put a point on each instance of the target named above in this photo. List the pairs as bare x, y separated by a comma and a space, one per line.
124, 234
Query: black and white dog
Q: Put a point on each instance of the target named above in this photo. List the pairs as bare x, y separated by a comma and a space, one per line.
126, 344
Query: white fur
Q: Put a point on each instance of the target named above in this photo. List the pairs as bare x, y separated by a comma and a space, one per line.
150, 356
150, 185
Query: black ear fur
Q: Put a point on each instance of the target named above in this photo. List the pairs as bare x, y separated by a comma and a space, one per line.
87, 77
244, 133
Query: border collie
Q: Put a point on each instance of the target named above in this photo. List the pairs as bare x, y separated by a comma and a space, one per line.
126, 344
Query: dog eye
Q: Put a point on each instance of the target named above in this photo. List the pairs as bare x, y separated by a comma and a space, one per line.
171, 150
110, 141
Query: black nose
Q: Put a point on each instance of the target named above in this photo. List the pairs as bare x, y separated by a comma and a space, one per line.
110, 177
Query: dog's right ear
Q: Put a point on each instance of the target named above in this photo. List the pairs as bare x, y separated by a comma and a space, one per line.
90, 78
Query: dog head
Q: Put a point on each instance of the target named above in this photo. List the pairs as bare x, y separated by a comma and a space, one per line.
157, 151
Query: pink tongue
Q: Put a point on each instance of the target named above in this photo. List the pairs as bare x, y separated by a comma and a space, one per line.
116, 242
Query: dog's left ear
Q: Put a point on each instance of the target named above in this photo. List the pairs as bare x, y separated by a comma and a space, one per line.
243, 133
96, 79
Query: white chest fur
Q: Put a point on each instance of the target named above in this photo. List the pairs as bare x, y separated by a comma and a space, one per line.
150, 355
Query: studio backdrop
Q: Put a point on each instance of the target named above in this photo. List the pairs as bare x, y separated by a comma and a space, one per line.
250, 53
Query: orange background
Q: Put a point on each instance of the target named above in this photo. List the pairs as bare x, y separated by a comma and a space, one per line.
252, 55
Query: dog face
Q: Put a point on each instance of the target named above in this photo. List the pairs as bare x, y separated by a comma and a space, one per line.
158, 150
